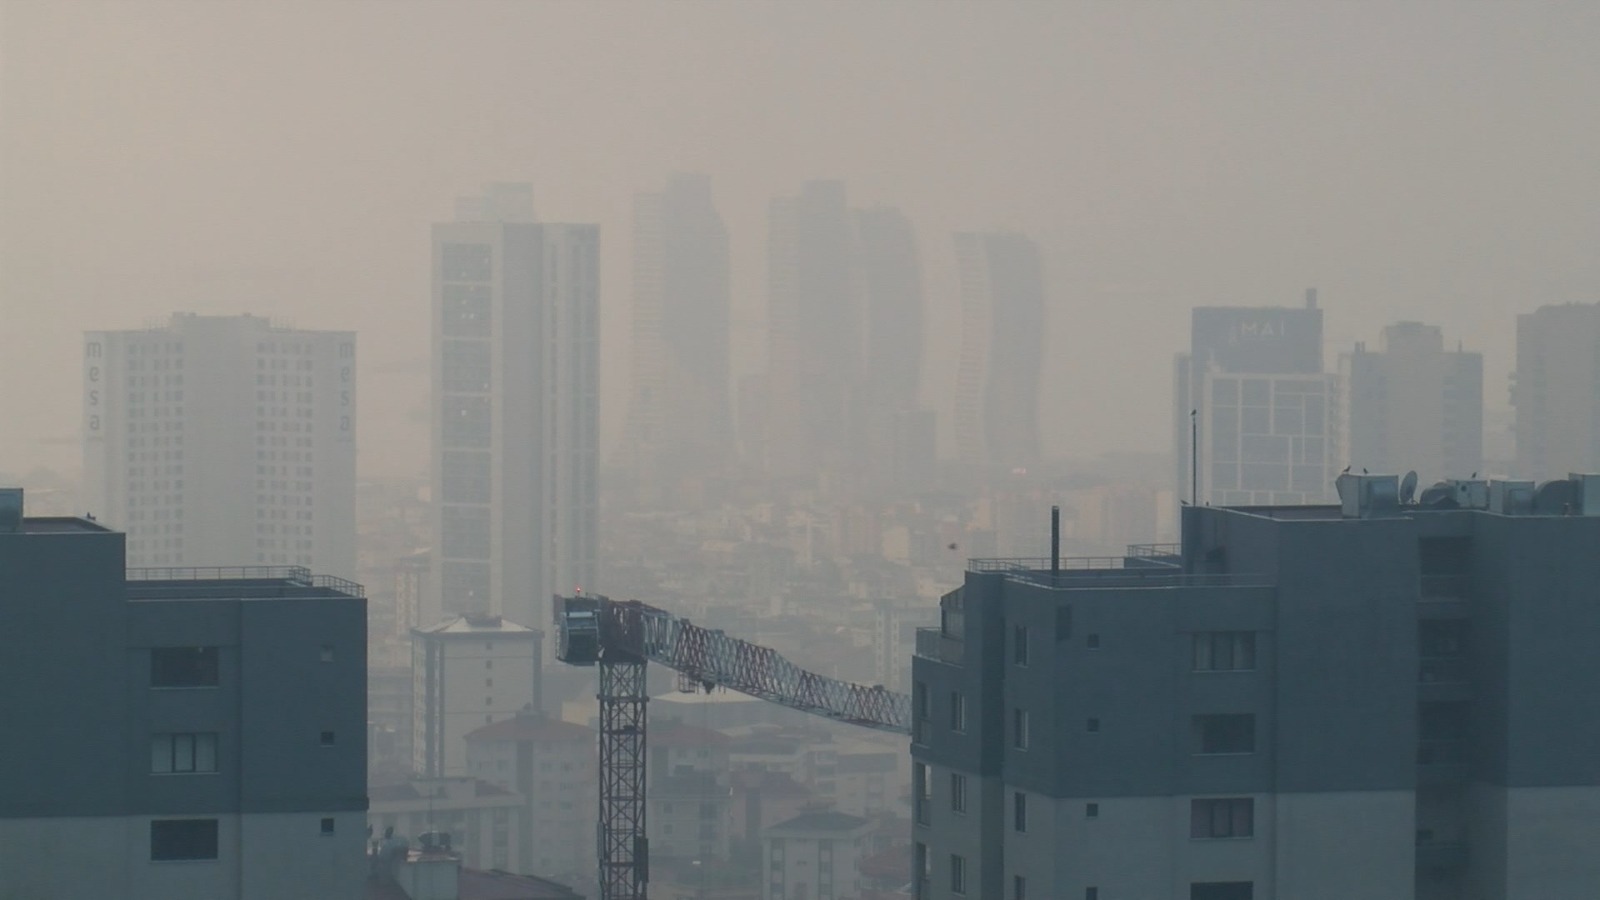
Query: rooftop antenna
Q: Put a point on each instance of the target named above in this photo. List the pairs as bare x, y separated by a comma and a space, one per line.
1194, 457
1055, 541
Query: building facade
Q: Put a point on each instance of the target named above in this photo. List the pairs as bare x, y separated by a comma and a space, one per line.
1265, 420
223, 441
1002, 350
815, 855
550, 765
467, 672
1412, 405
516, 409
1367, 700
1557, 390
680, 416
174, 734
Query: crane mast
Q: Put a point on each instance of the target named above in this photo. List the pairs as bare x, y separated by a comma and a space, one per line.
620, 637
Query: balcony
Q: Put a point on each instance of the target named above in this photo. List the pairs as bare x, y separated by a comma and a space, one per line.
1443, 597
932, 644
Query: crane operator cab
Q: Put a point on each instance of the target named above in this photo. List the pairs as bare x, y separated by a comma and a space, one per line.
578, 630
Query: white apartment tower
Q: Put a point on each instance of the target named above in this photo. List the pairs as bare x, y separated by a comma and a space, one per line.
516, 408
223, 441
467, 672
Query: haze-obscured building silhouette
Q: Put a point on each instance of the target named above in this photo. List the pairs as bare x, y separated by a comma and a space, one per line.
680, 419
516, 341
176, 733
1412, 405
1268, 428
1373, 699
1557, 390
223, 441
1002, 346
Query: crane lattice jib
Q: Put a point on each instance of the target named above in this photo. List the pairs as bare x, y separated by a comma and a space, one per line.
716, 660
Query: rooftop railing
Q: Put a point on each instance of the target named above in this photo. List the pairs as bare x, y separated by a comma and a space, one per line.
298, 576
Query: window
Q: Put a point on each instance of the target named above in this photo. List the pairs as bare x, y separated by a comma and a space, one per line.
182, 754
919, 790
183, 839
1063, 623
1019, 729
1092, 641
182, 667
1019, 645
919, 712
1092, 726
1091, 893
1019, 811
1222, 890
327, 653
327, 825
1091, 810
1230, 817
1224, 651
958, 792
1228, 733
1019, 888
958, 874
327, 739
958, 711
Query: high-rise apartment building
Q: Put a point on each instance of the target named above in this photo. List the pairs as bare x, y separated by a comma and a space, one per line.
516, 409
1557, 392
467, 672
1265, 411
1412, 405
1302, 703
174, 734
1002, 347
223, 441
680, 415
898, 435
815, 355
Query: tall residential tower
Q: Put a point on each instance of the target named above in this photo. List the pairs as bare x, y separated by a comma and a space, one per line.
1267, 426
680, 413
516, 409
1557, 392
1002, 347
223, 441
1412, 405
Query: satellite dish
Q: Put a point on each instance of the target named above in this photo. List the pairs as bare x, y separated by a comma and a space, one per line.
1408, 488
1440, 496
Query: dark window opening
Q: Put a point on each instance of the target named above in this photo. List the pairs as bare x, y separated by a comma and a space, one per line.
1019, 645
327, 739
181, 839
1093, 641
1227, 733
184, 667
1232, 817
1224, 651
1091, 810
1063, 623
327, 825
1019, 811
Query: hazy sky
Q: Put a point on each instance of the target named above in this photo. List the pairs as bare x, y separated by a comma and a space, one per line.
1438, 161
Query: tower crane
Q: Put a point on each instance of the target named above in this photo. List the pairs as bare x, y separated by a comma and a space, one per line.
621, 636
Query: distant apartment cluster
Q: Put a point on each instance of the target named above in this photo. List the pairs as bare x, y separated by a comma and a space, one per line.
1258, 421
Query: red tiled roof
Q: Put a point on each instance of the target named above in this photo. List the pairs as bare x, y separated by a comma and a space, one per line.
539, 729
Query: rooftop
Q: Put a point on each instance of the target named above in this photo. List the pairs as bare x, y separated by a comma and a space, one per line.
477, 625
235, 582
61, 525
826, 821
533, 727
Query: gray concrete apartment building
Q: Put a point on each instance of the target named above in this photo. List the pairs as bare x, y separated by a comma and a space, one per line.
177, 733
1374, 700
